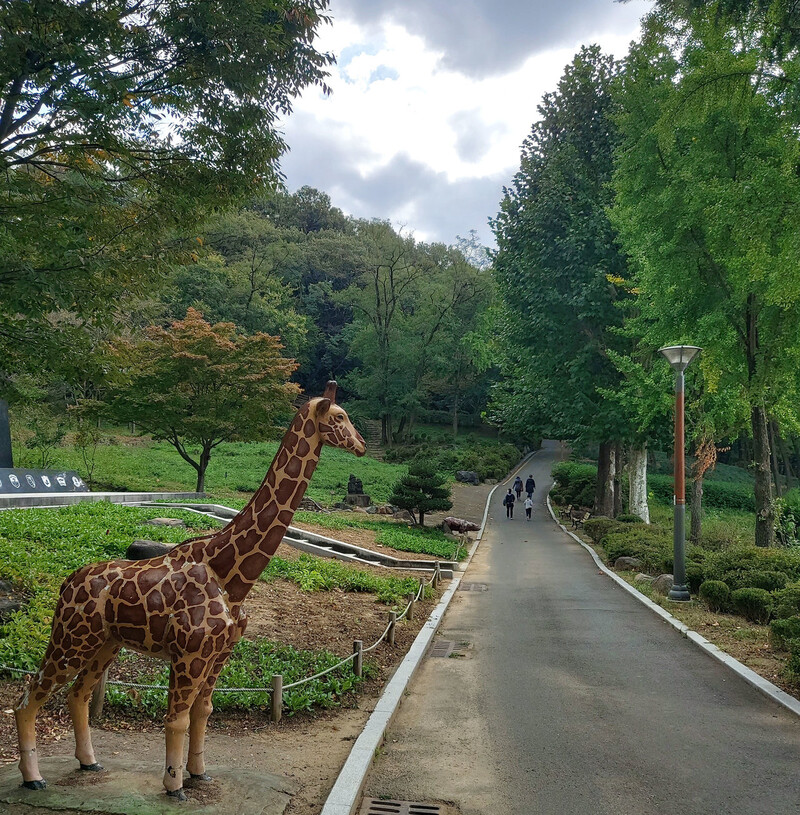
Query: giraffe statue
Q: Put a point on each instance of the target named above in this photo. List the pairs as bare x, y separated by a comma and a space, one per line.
184, 606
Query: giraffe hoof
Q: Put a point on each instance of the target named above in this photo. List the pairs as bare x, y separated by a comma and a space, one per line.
178, 794
201, 777
39, 784
93, 768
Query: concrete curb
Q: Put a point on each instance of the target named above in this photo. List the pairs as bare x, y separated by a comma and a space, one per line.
344, 795
762, 685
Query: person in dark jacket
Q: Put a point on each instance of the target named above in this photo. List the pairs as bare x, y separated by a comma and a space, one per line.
530, 486
508, 503
518, 487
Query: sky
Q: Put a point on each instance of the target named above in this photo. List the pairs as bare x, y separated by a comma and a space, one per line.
432, 100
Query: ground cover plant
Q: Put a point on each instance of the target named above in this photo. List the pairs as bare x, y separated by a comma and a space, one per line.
252, 665
136, 463
390, 533
39, 547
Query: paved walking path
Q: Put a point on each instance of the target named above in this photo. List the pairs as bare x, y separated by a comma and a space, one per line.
569, 696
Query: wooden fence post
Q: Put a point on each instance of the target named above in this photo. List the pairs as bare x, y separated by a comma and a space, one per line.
410, 615
392, 626
277, 697
358, 662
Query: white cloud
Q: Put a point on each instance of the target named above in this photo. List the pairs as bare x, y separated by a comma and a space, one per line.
411, 136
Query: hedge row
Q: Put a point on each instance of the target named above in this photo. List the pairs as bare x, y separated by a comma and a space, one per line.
489, 459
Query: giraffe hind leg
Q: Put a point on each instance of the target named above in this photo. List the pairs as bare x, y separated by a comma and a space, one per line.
78, 700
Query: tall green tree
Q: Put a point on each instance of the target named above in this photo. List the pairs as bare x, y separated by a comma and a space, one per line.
555, 264
122, 122
707, 209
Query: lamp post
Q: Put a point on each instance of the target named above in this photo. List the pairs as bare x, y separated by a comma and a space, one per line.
679, 357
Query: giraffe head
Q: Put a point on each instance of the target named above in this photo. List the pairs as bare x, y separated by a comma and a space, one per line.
335, 427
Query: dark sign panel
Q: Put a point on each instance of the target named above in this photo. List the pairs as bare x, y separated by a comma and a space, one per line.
17, 481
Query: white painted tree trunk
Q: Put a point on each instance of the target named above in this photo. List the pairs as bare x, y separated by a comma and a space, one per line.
637, 481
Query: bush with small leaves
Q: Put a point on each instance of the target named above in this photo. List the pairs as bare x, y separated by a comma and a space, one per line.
652, 545
786, 601
782, 631
597, 528
626, 518
754, 604
793, 663
755, 579
695, 575
716, 594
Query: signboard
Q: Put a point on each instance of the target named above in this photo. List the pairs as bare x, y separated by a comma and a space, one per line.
17, 480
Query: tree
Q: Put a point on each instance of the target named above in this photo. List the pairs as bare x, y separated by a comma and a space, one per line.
707, 210
196, 383
422, 490
555, 265
122, 123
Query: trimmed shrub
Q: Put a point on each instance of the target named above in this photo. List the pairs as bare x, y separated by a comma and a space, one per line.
597, 528
716, 494
716, 594
754, 604
753, 559
782, 631
629, 519
574, 483
793, 663
786, 602
695, 575
652, 545
755, 579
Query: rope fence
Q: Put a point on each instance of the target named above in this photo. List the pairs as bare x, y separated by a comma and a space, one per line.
277, 688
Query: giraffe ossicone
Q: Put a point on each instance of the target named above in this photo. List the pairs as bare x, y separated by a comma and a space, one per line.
184, 606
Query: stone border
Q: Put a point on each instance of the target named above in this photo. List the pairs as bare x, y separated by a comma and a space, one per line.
762, 685
344, 795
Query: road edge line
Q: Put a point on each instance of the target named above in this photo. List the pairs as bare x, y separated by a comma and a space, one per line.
344, 795
757, 681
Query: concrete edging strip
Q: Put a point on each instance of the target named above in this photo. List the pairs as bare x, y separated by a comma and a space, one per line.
766, 687
344, 795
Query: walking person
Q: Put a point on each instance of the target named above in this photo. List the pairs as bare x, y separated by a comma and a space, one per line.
508, 503
528, 507
518, 487
530, 486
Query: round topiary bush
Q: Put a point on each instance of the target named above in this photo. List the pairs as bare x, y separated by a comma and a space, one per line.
786, 602
695, 575
597, 528
716, 594
629, 519
754, 604
781, 631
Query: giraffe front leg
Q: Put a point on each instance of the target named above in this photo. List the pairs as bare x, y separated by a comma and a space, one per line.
201, 710
78, 701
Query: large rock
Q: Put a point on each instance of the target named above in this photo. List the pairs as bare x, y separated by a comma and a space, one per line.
662, 584
372, 509
627, 563
386, 510
404, 515
468, 477
144, 549
643, 578
310, 505
165, 522
460, 525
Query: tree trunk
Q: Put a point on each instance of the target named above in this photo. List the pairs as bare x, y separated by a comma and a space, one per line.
386, 430
604, 496
455, 415
637, 483
773, 459
616, 484
421, 518
697, 509
765, 532
791, 478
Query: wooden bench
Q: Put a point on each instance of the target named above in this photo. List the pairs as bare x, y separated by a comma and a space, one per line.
565, 512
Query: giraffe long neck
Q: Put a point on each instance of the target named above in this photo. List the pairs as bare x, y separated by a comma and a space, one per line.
240, 552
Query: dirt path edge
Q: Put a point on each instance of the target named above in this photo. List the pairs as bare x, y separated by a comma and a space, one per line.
346, 791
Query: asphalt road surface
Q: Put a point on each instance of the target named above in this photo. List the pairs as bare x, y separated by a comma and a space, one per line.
566, 695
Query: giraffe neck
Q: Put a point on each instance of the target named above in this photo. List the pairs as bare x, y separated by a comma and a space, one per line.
240, 552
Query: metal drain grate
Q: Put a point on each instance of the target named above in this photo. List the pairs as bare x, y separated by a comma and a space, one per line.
442, 648
374, 806
473, 587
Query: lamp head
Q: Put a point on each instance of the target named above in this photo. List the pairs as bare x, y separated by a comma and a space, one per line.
679, 356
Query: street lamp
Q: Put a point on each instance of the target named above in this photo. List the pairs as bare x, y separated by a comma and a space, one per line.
679, 357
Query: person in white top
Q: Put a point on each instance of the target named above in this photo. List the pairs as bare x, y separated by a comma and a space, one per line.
528, 507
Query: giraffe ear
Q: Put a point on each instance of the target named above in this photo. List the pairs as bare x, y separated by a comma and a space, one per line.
322, 407
330, 390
